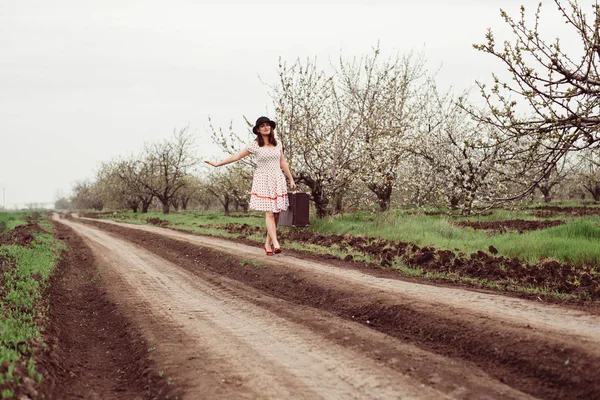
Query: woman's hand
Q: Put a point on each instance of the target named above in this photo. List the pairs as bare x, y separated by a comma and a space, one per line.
292, 185
214, 164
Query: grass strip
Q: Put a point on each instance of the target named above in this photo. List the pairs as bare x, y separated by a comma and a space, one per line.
10, 220
575, 242
24, 272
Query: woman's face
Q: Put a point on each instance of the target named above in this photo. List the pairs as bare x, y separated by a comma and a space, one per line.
264, 129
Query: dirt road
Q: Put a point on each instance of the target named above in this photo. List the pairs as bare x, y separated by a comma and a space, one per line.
225, 321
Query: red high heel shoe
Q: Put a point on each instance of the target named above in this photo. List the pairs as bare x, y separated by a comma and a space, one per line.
269, 252
277, 250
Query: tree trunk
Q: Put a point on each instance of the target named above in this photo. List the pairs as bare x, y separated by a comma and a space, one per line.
454, 202
384, 204
175, 203
338, 205
468, 205
594, 191
226, 202
546, 192
321, 202
321, 206
184, 203
318, 196
146, 201
384, 194
133, 204
165, 205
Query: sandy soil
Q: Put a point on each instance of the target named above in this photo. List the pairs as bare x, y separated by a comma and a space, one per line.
225, 321
581, 327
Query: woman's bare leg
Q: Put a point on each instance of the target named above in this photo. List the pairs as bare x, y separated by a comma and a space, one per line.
271, 230
268, 243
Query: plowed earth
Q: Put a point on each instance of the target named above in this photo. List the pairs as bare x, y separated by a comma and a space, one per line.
226, 321
22, 235
560, 277
93, 351
551, 211
518, 225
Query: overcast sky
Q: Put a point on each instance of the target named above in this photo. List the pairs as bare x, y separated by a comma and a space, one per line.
84, 81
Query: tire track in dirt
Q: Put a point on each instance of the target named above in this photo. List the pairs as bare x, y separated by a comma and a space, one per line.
263, 355
92, 351
536, 360
581, 327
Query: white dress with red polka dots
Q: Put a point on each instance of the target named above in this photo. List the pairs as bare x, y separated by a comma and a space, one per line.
269, 188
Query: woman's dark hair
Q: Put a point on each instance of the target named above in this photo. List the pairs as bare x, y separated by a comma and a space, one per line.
272, 140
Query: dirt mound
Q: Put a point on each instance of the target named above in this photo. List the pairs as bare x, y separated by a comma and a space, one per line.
92, 350
90, 215
241, 229
581, 280
22, 235
550, 211
158, 222
590, 202
449, 213
506, 226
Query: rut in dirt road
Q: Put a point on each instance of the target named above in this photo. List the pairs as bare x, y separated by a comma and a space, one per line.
92, 351
220, 343
545, 350
582, 327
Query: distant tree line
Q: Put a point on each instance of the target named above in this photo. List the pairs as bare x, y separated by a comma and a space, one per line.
376, 132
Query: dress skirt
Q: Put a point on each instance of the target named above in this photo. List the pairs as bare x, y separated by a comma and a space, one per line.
269, 192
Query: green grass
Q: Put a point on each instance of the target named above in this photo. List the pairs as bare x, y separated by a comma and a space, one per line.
575, 242
25, 271
252, 263
187, 218
10, 220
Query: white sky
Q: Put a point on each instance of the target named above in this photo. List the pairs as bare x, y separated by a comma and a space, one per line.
84, 81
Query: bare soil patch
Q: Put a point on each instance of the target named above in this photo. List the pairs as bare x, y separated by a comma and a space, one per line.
528, 359
22, 235
221, 345
552, 211
92, 350
500, 227
158, 222
580, 280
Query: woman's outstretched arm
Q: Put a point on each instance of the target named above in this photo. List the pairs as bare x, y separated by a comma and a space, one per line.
230, 159
286, 170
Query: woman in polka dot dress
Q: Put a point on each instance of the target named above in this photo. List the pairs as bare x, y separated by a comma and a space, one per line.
269, 189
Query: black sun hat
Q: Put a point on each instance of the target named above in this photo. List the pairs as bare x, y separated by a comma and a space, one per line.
261, 121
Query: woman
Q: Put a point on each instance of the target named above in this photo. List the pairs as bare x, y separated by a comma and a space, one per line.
269, 189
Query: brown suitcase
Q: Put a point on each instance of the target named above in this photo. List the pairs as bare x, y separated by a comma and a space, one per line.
297, 213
